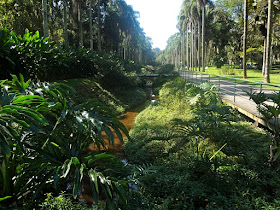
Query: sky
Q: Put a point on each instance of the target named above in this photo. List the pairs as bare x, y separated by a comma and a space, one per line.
158, 18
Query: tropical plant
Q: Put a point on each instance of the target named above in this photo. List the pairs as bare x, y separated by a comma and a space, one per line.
45, 141
269, 107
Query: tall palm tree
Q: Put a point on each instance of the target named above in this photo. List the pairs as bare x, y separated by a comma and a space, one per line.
187, 44
268, 44
196, 19
245, 38
65, 24
202, 4
90, 25
192, 46
80, 23
99, 25
45, 18
198, 42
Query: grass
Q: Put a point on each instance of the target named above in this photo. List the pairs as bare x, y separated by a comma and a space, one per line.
238, 176
252, 75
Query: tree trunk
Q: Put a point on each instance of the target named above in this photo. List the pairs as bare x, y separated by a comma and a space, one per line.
183, 48
203, 38
45, 18
140, 55
245, 38
187, 47
195, 48
99, 26
191, 52
90, 26
268, 44
124, 49
65, 24
80, 24
198, 42
264, 55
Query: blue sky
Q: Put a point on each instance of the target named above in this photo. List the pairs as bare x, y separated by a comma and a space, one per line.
158, 18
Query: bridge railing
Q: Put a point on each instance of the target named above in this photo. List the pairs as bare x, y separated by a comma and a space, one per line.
234, 86
233, 90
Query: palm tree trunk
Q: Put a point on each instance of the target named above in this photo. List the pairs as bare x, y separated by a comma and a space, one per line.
198, 42
45, 18
191, 53
268, 44
245, 38
90, 26
99, 26
264, 55
140, 55
195, 48
125, 48
65, 24
187, 47
80, 24
183, 48
203, 38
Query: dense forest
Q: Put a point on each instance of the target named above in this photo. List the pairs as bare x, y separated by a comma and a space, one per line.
70, 71
102, 25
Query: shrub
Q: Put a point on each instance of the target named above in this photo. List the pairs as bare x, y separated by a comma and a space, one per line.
63, 201
226, 70
38, 58
45, 141
206, 158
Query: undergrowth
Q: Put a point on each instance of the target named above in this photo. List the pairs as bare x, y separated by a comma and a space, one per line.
119, 100
194, 153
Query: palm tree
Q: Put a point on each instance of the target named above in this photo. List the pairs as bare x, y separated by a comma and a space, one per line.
65, 24
268, 44
202, 4
198, 42
99, 25
45, 18
187, 45
245, 38
80, 23
90, 25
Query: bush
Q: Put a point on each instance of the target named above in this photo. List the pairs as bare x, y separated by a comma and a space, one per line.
63, 201
206, 158
219, 59
40, 59
226, 70
45, 144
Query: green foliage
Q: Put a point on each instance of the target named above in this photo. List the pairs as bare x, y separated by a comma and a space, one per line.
226, 70
45, 140
119, 99
165, 69
219, 59
108, 19
270, 113
62, 201
205, 158
38, 58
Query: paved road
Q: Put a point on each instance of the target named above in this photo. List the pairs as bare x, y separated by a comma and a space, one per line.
231, 92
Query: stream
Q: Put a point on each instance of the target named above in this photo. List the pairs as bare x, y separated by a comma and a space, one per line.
128, 120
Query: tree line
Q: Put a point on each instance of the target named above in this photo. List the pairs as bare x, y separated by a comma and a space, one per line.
234, 32
102, 25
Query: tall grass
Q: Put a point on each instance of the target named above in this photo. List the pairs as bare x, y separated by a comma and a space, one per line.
206, 158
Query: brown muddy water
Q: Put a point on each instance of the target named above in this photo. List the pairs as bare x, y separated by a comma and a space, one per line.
128, 120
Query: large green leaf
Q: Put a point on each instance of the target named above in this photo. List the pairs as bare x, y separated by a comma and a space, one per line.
4, 145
